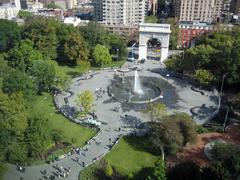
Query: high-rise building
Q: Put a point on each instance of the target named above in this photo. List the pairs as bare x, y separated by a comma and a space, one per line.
200, 10
120, 12
98, 9
64, 4
235, 7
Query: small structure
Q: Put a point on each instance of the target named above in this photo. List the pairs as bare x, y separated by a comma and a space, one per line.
158, 31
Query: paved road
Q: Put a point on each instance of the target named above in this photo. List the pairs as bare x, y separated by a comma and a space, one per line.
187, 100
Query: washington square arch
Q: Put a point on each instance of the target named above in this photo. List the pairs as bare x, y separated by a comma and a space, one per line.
148, 31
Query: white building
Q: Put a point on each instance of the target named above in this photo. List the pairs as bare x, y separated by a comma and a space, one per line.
74, 21
120, 12
10, 10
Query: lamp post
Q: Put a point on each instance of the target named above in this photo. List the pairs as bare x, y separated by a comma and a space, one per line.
220, 99
117, 54
132, 50
223, 79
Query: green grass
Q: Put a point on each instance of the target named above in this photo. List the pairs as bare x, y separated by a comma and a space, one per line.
2, 169
44, 105
129, 156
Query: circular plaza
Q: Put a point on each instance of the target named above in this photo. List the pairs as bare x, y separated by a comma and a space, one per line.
118, 110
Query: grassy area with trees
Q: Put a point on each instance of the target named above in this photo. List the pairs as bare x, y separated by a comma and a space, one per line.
35, 58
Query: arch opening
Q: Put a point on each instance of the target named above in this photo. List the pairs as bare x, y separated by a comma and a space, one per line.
154, 46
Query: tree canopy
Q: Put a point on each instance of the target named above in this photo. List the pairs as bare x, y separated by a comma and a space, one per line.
173, 132
215, 55
101, 56
85, 101
10, 34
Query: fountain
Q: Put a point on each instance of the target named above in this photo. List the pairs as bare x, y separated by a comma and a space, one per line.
137, 84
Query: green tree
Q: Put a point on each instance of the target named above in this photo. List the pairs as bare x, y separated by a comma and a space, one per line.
173, 132
229, 156
10, 34
22, 55
159, 170
173, 41
42, 31
85, 101
16, 81
101, 56
75, 49
38, 136
185, 171
18, 153
24, 14
216, 171
44, 75
117, 46
13, 113
5, 138
203, 76
174, 63
95, 34
52, 5
151, 19
108, 170
156, 111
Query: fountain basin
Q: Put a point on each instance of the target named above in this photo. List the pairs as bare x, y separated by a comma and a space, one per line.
123, 90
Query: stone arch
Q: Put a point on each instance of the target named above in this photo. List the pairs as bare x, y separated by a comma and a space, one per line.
158, 31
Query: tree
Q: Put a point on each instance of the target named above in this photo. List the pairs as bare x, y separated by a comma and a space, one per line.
156, 111
16, 81
108, 170
5, 138
22, 55
44, 75
204, 76
18, 153
85, 101
24, 14
95, 34
117, 46
75, 49
216, 171
38, 136
42, 31
151, 19
228, 155
173, 41
173, 132
13, 114
174, 63
101, 56
185, 171
52, 5
159, 170
10, 34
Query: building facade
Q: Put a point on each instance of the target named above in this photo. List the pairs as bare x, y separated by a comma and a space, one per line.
199, 10
235, 7
120, 12
188, 32
10, 9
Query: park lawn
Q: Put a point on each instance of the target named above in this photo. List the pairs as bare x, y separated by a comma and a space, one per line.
127, 159
44, 105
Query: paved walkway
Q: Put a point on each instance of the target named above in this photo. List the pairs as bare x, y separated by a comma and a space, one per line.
187, 98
